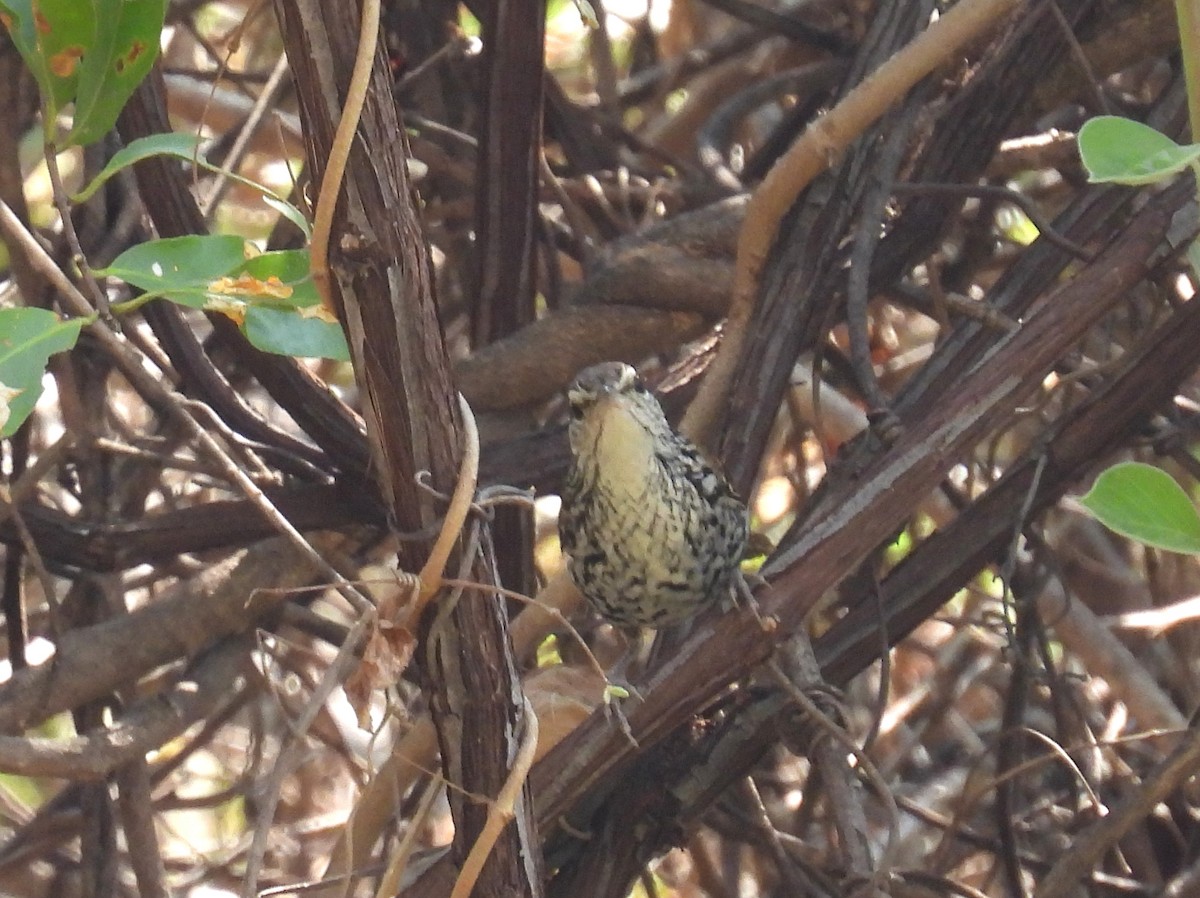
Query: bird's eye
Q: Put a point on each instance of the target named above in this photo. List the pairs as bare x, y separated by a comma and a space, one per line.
639, 387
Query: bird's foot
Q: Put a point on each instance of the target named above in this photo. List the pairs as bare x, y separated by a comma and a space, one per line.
614, 694
743, 597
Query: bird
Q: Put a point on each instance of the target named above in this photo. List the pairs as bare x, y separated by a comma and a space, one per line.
654, 533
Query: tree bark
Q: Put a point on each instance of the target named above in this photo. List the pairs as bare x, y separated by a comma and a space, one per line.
381, 277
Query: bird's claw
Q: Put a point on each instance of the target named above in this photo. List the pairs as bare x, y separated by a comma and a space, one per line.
614, 694
743, 596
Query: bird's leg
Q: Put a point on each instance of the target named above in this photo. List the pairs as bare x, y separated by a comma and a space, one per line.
619, 688
627, 665
743, 594
613, 711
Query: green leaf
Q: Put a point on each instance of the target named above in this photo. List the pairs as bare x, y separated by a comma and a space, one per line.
286, 332
28, 337
1145, 503
212, 272
290, 266
181, 146
122, 52
274, 323
179, 268
52, 37
290, 212
92, 52
1121, 151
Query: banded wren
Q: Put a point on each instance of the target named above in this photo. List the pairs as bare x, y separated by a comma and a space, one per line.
654, 534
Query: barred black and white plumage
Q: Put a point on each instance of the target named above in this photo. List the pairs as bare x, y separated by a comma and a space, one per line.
654, 534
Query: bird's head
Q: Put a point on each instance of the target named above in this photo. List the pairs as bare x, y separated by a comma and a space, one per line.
612, 412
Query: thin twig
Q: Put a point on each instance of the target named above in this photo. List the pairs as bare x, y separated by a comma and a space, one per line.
502, 810
63, 204
819, 147
266, 98
289, 758
166, 401
389, 883
456, 515
339, 151
869, 771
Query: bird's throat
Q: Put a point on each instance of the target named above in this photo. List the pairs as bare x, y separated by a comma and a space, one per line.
624, 453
